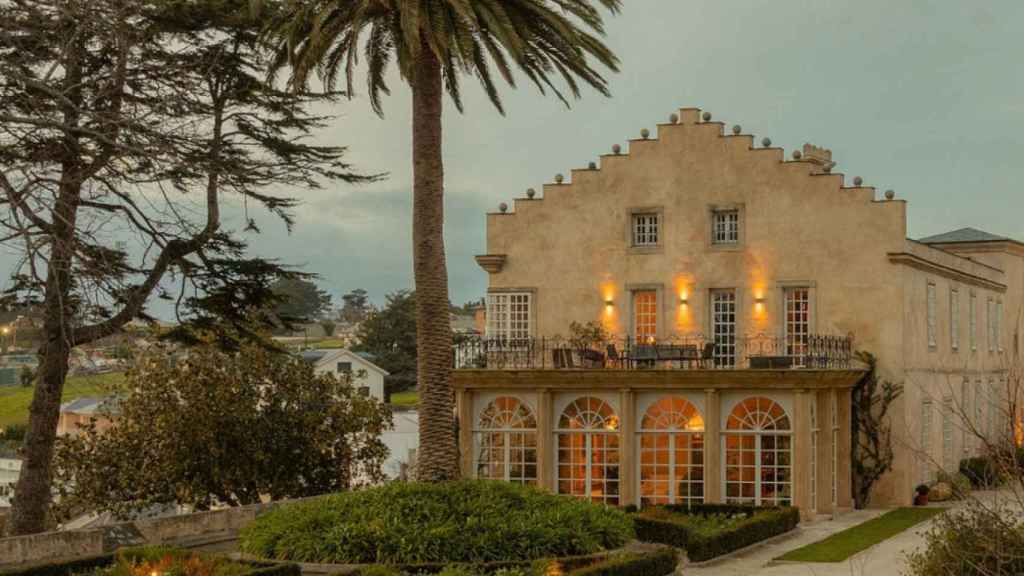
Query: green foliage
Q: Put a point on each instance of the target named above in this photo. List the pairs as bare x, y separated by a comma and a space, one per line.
244, 425
299, 300
981, 471
468, 521
659, 563
355, 306
871, 434
144, 560
26, 376
706, 531
589, 335
971, 541
959, 482
328, 326
390, 335
13, 433
842, 545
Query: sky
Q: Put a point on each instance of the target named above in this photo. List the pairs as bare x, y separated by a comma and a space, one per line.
925, 98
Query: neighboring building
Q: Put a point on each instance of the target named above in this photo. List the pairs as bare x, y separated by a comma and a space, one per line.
80, 411
366, 376
734, 286
10, 469
402, 441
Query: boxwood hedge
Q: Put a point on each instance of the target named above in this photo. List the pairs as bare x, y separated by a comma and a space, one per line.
90, 564
695, 530
406, 523
658, 562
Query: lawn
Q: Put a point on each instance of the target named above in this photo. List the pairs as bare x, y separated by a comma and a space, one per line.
842, 545
406, 398
14, 400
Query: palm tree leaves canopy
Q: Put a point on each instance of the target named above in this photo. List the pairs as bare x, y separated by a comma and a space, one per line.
544, 39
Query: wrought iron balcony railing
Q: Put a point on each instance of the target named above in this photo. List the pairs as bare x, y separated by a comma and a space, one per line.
761, 351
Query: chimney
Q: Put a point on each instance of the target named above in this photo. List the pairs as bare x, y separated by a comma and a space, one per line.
820, 157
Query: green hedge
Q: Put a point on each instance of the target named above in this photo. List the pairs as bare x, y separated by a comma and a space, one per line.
660, 562
453, 522
680, 526
89, 564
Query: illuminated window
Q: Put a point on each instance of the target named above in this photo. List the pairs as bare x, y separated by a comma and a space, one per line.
932, 319
725, 227
645, 315
645, 229
588, 451
671, 453
758, 454
506, 441
954, 318
723, 327
508, 316
798, 322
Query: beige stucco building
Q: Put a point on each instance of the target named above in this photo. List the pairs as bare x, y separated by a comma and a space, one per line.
732, 286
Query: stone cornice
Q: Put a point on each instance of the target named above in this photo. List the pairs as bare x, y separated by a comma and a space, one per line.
491, 263
920, 263
610, 379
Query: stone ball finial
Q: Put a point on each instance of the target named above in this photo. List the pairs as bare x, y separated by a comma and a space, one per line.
857, 180
559, 178
706, 116
827, 167
645, 133
797, 155
890, 194
592, 166
530, 193
766, 142
736, 129
616, 149
503, 207
673, 118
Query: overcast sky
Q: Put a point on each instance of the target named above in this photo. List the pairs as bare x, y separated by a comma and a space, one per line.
926, 98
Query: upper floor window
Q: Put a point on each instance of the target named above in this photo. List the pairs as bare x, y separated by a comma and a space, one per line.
931, 317
646, 229
954, 318
344, 368
973, 320
999, 325
991, 317
509, 315
725, 227
798, 321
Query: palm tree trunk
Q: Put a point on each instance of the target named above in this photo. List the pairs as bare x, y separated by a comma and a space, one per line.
437, 459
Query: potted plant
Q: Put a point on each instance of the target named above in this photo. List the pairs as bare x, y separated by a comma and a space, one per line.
921, 495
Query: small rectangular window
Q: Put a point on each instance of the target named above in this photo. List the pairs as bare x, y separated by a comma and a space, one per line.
364, 390
645, 229
991, 317
973, 320
797, 322
954, 318
931, 317
344, 367
999, 325
725, 227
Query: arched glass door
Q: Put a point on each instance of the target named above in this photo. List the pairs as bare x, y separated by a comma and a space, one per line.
758, 453
588, 451
671, 438
506, 440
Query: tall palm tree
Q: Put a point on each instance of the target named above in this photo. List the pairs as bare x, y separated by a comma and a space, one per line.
434, 43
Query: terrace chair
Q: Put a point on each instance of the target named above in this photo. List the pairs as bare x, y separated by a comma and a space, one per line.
612, 353
706, 355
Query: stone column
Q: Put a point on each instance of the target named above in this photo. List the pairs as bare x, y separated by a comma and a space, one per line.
545, 441
844, 490
801, 464
824, 456
712, 446
627, 448
464, 405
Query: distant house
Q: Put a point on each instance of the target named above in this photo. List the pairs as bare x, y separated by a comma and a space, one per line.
10, 469
366, 376
80, 410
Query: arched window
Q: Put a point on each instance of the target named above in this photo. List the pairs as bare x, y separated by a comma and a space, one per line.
506, 440
671, 453
758, 453
588, 451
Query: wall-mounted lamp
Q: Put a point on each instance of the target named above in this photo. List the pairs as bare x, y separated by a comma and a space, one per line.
759, 300
759, 304
609, 302
683, 300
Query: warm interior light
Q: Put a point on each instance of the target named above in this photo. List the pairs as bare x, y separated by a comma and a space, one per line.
683, 299
609, 303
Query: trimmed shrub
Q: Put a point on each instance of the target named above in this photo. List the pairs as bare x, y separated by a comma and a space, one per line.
972, 541
980, 470
706, 531
124, 562
453, 522
659, 563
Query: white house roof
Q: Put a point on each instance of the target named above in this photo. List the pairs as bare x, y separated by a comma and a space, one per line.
327, 356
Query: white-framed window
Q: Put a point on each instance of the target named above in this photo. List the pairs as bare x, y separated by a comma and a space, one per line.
834, 468
725, 226
993, 412
979, 414
723, 327
973, 321
999, 325
931, 317
646, 229
965, 399
990, 313
926, 441
947, 435
645, 315
758, 454
797, 321
588, 451
506, 442
954, 318
671, 453
509, 316
814, 452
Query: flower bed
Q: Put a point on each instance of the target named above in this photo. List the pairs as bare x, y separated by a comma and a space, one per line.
147, 560
707, 531
660, 561
456, 522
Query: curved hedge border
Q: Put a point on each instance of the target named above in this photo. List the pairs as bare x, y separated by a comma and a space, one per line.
90, 563
758, 524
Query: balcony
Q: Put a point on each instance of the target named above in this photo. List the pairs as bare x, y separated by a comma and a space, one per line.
755, 352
